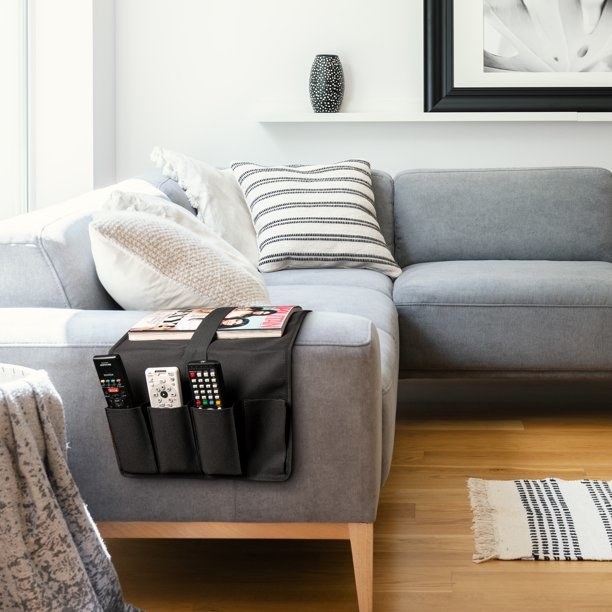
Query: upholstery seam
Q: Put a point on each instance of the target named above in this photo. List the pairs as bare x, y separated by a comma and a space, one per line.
498, 170
54, 273
506, 372
493, 305
341, 286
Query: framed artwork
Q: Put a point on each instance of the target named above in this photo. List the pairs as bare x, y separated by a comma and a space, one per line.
518, 55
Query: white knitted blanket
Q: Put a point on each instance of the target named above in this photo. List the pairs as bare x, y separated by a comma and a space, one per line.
51, 555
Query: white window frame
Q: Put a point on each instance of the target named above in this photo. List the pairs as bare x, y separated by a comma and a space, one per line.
14, 108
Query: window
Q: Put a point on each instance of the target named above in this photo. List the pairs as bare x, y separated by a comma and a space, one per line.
13, 108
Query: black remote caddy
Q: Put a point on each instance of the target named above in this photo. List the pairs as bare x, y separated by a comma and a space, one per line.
206, 384
113, 380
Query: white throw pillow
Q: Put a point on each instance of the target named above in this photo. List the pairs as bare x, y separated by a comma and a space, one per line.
159, 206
315, 216
152, 254
216, 196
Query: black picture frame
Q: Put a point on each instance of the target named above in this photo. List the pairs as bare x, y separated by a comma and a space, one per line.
441, 95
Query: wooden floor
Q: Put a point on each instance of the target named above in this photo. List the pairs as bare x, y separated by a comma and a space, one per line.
423, 542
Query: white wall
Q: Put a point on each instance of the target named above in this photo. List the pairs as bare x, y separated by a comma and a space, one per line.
103, 88
192, 74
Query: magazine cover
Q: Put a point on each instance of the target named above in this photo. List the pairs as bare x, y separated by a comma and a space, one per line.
177, 324
255, 321
242, 322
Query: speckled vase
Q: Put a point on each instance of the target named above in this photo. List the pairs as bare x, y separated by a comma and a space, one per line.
326, 84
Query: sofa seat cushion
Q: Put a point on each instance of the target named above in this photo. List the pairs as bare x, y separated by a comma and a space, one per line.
511, 316
361, 301
334, 294
332, 276
365, 293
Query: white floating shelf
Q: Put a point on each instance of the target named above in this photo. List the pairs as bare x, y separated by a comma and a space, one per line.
383, 117
594, 116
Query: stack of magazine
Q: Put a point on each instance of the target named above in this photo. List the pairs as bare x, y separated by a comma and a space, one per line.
242, 322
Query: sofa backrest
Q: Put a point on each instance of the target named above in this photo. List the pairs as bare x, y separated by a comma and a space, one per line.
168, 186
382, 185
46, 258
532, 213
46, 254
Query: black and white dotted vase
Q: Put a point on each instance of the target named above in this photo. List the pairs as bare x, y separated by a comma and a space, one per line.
326, 84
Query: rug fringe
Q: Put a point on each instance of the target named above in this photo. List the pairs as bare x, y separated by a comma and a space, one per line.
483, 525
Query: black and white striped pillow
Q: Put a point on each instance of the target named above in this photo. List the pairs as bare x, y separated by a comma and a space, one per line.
315, 216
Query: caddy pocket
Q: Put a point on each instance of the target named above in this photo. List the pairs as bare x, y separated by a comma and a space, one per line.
173, 440
216, 434
131, 440
267, 439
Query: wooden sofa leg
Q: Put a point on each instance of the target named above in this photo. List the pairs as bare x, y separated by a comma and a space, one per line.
362, 549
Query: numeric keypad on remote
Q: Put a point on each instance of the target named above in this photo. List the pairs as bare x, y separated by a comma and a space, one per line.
206, 382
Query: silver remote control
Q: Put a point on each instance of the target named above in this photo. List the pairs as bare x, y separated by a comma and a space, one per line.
164, 386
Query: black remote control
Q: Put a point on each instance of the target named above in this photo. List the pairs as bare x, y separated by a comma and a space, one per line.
206, 383
114, 381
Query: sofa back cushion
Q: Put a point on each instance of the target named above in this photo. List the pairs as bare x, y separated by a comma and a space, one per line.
533, 213
382, 186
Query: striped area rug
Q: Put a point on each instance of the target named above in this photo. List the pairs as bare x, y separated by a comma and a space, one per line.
543, 520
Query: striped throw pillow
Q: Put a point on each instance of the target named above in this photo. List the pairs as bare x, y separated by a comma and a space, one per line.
315, 216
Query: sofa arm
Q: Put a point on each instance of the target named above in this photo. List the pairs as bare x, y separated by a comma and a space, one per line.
46, 254
337, 415
46, 258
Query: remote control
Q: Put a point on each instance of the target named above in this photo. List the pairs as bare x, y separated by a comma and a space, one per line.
164, 385
206, 382
114, 381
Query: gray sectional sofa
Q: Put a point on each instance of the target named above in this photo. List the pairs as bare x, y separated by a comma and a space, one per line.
506, 273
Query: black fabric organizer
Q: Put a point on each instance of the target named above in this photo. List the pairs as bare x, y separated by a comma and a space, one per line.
251, 438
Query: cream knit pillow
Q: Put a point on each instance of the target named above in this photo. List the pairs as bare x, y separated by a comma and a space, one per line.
151, 254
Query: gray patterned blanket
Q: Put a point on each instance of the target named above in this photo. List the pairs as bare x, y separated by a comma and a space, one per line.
52, 557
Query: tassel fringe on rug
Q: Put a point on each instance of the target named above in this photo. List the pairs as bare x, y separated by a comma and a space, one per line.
546, 520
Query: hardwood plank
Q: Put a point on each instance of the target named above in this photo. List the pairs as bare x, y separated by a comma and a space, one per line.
454, 477
471, 425
530, 458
